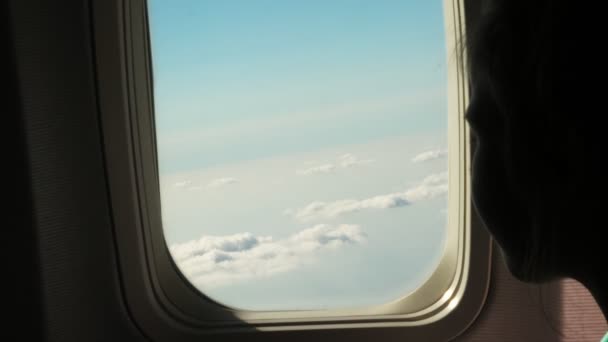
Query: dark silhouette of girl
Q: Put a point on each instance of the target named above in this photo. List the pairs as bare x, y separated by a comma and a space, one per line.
538, 115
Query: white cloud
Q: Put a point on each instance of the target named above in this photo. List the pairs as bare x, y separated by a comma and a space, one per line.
430, 187
182, 184
316, 210
216, 183
345, 161
349, 160
325, 168
213, 261
429, 155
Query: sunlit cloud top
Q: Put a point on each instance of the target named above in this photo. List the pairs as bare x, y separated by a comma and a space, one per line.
430, 187
213, 261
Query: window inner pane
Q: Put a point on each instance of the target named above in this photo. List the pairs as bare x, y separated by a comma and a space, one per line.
302, 147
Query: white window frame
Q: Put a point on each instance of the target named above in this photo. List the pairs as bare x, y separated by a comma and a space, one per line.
160, 299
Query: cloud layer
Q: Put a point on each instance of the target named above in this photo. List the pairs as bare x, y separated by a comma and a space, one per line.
429, 155
216, 183
430, 187
182, 184
213, 261
345, 161
325, 168
348, 160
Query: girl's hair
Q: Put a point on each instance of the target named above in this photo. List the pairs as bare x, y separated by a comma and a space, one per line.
528, 56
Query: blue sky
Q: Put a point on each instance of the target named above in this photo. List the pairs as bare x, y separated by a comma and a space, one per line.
292, 133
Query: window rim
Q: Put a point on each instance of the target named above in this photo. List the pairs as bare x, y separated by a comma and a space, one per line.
144, 259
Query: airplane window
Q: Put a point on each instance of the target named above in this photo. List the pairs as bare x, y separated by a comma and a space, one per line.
302, 148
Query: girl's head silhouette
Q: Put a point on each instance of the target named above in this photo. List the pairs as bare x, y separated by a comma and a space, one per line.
536, 103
